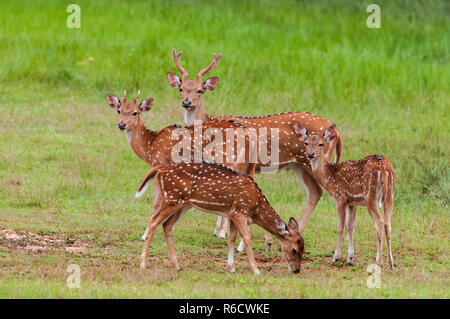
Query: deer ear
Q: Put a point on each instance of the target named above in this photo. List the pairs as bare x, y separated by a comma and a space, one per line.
211, 83
113, 101
146, 105
293, 223
300, 131
281, 226
174, 80
330, 133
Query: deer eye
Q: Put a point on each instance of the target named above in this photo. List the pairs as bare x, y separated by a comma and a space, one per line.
306, 144
118, 111
199, 91
321, 144
294, 251
134, 113
180, 89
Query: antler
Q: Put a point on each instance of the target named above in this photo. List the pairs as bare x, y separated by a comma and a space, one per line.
212, 65
176, 60
136, 100
124, 97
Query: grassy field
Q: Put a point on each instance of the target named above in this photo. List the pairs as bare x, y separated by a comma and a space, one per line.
68, 176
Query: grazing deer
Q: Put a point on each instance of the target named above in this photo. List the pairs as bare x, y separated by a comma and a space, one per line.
369, 182
217, 189
155, 147
291, 154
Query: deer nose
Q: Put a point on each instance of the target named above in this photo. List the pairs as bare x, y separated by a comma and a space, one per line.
186, 103
296, 271
311, 155
121, 125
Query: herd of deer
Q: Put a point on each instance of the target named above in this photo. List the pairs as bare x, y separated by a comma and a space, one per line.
225, 186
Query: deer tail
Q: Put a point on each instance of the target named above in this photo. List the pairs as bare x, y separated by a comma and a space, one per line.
146, 182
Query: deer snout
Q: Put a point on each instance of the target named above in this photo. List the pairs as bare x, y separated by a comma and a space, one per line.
121, 125
296, 271
311, 155
186, 103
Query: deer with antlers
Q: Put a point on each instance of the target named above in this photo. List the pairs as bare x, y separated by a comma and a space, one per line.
157, 147
369, 182
291, 153
214, 188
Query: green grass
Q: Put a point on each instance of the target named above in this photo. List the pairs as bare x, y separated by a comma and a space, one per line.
66, 171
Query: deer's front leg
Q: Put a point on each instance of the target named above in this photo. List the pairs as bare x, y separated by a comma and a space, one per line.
314, 192
231, 243
240, 220
341, 222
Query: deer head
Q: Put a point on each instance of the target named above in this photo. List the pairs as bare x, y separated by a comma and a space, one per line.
293, 245
128, 111
191, 91
314, 143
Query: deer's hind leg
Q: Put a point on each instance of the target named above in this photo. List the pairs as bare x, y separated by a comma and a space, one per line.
350, 224
387, 207
155, 220
378, 221
168, 226
156, 206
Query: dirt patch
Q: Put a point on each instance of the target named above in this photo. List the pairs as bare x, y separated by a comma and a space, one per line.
37, 242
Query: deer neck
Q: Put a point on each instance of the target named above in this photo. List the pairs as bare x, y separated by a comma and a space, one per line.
266, 219
322, 171
141, 140
198, 114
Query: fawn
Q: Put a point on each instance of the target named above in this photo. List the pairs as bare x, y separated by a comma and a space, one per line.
217, 189
369, 182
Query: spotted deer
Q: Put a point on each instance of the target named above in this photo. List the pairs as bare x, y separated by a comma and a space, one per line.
369, 182
291, 153
214, 188
155, 147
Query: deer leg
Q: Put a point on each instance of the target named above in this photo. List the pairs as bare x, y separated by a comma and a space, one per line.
241, 224
350, 219
313, 191
231, 243
378, 221
156, 206
241, 247
268, 244
221, 226
341, 221
387, 228
168, 226
155, 220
